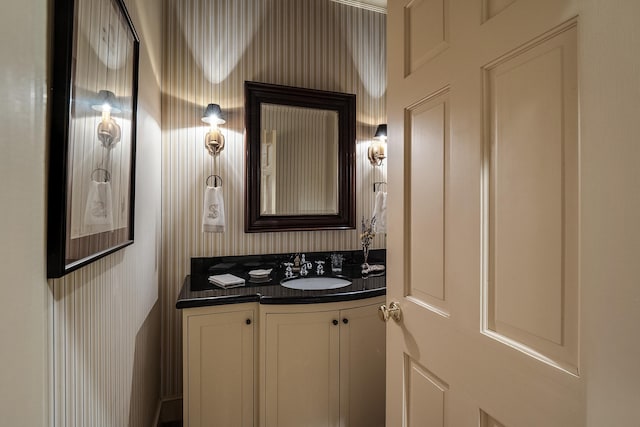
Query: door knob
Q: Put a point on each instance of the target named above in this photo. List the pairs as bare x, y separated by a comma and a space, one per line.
392, 311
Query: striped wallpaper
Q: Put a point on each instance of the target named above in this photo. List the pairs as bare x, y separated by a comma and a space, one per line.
210, 48
106, 317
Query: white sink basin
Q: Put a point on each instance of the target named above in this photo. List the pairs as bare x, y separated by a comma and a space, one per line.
315, 283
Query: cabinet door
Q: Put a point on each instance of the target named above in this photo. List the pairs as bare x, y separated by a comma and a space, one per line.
362, 368
302, 369
219, 369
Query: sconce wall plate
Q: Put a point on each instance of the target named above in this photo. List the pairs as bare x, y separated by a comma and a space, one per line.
376, 153
109, 131
214, 140
377, 149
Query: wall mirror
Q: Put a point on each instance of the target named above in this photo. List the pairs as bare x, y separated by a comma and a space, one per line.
92, 135
300, 165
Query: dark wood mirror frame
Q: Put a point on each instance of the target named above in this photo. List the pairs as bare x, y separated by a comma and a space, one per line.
345, 105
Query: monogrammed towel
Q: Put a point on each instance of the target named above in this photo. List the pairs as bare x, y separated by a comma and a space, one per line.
213, 214
380, 212
98, 211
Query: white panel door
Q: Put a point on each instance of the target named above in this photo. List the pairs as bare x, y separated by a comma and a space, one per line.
483, 220
268, 172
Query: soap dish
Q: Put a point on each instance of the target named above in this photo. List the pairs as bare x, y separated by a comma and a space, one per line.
260, 274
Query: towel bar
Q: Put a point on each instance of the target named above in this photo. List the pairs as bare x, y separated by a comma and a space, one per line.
215, 180
378, 183
107, 174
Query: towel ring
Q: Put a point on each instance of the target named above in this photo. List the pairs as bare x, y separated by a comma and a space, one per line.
378, 183
215, 180
107, 174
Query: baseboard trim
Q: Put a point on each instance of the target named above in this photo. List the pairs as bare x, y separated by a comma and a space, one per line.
169, 409
156, 418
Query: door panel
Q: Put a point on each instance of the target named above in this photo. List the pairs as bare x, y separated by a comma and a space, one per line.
482, 243
426, 31
426, 396
491, 8
427, 157
532, 197
487, 421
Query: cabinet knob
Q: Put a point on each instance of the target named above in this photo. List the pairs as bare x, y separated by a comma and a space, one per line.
392, 311
248, 321
345, 320
335, 322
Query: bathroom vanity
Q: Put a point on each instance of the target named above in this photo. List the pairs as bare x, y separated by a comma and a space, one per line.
265, 355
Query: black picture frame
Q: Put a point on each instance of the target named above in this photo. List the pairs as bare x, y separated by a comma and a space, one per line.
257, 93
92, 139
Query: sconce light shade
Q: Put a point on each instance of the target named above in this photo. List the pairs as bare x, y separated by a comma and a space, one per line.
213, 115
106, 102
377, 149
381, 132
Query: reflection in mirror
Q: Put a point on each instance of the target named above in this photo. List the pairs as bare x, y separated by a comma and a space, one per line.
300, 158
100, 132
92, 133
99, 159
299, 161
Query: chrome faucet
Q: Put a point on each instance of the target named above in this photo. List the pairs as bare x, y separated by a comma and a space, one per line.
288, 271
319, 268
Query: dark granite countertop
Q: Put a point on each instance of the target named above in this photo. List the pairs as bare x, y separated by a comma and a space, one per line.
198, 292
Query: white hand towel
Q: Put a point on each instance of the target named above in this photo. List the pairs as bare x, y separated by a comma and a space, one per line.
380, 212
99, 209
213, 215
226, 281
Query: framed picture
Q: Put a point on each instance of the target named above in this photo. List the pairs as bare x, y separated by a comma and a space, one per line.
92, 135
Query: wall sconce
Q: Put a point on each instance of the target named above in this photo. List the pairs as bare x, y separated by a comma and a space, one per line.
108, 129
377, 149
214, 140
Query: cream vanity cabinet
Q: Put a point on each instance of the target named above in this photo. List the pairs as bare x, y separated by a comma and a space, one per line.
220, 361
322, 365
315, 364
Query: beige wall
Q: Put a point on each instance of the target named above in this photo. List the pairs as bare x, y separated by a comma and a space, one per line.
25, 297
211, 48
609, 64
106, 316
82, 350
